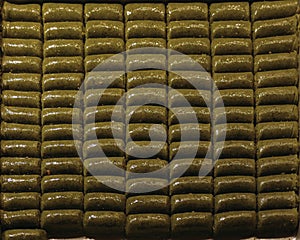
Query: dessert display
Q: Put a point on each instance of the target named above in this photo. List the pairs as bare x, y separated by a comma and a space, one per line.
203, 138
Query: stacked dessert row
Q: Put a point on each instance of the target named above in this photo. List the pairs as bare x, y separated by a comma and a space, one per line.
104, 86
234, 173
62, 181
22, 47
189, 104
147, 200
275, 47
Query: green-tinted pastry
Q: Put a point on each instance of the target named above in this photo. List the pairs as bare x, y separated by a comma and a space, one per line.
285, 77
104, 28
277, 183
190, 45
147, 114
102, 166
103, 45
24, 30
104, 130
148, 11
63, 30
234, 184
20, 201
224, 46
60, 148
190, 167
141, 132
276, 130
62, 223
109, 96
22, 47
187, 131
62, 183
279, 200
24, 12
285, 220
109, 147
189, 63
95, 80
20, 166
273, 27
153, 186
189, 97
235, 149
196, 184
277, 147
145, 28
230, 29
61, 132
145, 61
21, 64
189, 79
235, 202
188, 28
192, 224
233, 80
96, 11
104, 62
134, 43
232, 63
137, 78
139, 225
275, 113
187, 11
62, 200
104, 184
229, 11
234, 97
21, 183
20, 148
59, 98
191, 203
66, 47
273, 10
234, 131
187, 149
104, 114
16, 131
61, 115
21, 82
21, 99
277, 165
147, 166
275, 44
234, 166
20, 219
277, 95
234, 115
276, 61
63, 12
142, 96
156, 149
104, 223
184, 115
62, 81
147, 204
104, 202
240, 224
32, 234
54, 166
63, 65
